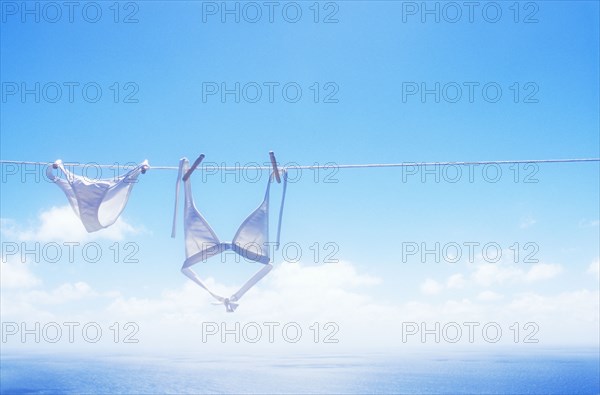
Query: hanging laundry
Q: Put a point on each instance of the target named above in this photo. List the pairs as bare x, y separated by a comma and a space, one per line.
97, 203
201, 242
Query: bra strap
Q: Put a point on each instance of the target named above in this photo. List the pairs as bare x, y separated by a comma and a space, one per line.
182, 162
285, 178
246, 287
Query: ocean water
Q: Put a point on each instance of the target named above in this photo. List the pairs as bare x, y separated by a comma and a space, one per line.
341, 374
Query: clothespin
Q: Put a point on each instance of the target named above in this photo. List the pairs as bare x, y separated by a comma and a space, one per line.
145, 169
274, 164
191, 169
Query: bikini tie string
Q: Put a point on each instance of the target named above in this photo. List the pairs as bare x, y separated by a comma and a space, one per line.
229, 305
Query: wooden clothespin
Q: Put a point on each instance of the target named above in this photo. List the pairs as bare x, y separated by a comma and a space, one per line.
275, 169
191, 169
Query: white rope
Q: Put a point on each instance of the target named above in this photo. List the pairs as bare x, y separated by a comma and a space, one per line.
330, 165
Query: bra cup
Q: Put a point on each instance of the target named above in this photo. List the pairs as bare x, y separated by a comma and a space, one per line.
253, 234
198, 233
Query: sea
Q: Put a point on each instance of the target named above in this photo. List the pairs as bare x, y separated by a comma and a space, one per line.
539, 373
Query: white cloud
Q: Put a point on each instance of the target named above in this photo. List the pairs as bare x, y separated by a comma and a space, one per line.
431, 287
62, 294
38, 304
62, 224
488, 274
16, 274
330, 275
456, 281
291, 288
336, 292
542, 271
489, 296
332, 292
567, 307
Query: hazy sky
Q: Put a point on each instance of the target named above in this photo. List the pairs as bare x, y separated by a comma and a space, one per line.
328, 82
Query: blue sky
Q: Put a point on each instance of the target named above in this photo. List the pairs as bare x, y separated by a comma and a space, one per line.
369, 55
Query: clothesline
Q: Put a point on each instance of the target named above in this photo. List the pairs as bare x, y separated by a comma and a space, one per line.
98, 204
329, 165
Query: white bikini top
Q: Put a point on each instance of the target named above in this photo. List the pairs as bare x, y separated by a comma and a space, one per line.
250, 241
97, 203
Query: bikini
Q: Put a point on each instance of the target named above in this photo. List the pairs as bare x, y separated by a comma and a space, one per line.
250, 241
97, 203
